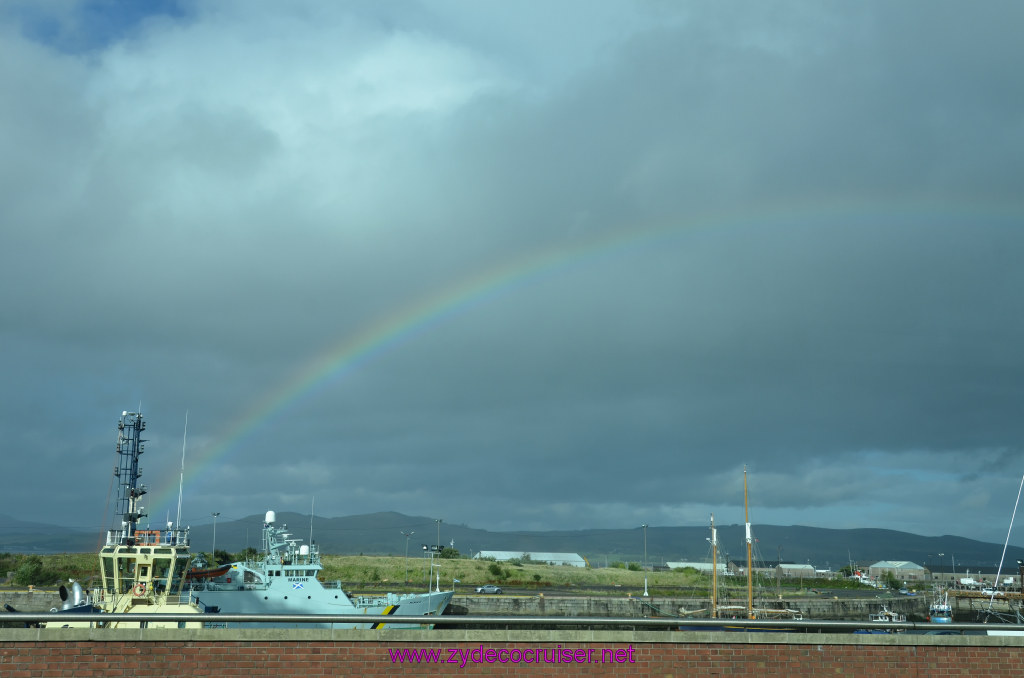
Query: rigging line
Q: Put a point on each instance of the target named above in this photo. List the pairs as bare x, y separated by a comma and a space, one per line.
999, 570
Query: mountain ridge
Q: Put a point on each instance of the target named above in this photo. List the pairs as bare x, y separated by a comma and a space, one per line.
381, 533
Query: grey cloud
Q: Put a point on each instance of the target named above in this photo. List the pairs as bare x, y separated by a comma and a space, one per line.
810, 229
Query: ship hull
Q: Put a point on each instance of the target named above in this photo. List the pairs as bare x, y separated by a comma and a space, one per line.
312, 601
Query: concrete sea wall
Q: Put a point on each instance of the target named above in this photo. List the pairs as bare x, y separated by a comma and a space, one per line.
584, 606
596, 606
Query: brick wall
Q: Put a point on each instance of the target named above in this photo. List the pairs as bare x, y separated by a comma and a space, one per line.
258, 653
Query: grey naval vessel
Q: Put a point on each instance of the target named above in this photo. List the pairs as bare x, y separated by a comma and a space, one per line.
284, 579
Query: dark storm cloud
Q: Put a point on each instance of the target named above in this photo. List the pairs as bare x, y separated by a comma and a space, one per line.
812, 232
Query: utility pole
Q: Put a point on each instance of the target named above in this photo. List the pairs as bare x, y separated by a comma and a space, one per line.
214, 553
778, 575
645, 559
407, 535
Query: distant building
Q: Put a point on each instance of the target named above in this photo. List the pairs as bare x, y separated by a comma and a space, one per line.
1008, 577
796, 570
700, 567
572, 559
775, 568
903, 570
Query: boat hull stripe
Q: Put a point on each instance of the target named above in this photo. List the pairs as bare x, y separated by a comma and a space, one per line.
389, 610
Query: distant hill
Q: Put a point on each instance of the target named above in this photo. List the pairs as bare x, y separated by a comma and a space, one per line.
381, 533
21, 536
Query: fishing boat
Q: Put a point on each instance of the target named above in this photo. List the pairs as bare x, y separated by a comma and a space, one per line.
284, 578
885, 615
142, 570
940, 611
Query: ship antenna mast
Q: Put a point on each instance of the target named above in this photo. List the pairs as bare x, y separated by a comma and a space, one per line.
311, 505
181, 478
750, 564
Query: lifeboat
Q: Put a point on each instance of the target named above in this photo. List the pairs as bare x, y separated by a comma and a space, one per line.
196, 574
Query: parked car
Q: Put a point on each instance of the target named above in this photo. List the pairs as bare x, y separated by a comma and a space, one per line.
991, 592
488, 588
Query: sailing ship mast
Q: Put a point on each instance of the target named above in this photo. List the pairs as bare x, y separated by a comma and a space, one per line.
714, 568
750, 568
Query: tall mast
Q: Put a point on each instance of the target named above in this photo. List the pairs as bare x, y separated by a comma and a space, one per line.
750, 568
714, 568
129, 448
181, 478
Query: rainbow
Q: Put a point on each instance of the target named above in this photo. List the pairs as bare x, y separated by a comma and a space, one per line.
404, 323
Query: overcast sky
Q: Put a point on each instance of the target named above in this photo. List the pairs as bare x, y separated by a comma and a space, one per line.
518, 265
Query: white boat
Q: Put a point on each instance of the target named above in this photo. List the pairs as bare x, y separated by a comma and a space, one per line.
887, 616
284, 578
142, 571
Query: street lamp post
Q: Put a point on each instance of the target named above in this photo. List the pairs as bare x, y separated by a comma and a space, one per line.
645, 559
214, 547
407, 535
435, 551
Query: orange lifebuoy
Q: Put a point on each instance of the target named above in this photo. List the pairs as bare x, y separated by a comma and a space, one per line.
140, 589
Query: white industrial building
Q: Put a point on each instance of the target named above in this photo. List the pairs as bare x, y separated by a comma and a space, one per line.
700, 567
573, 559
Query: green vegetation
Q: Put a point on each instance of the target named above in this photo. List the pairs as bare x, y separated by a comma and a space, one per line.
387, 573
48, 570
221, 557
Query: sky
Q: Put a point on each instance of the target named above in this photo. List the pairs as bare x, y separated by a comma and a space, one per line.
517, 266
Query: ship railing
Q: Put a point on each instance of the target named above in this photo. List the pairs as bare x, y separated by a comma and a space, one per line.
213, 586
121, 537
188, 597
217, 586
374, 601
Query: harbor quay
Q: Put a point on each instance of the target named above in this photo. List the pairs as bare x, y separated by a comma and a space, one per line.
823, 607
842, 609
